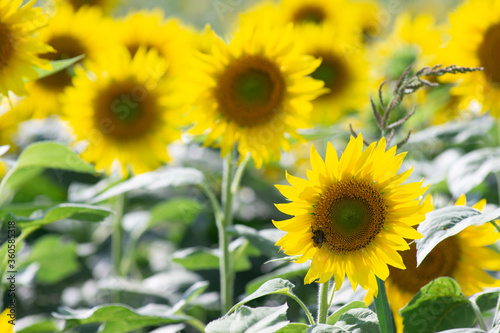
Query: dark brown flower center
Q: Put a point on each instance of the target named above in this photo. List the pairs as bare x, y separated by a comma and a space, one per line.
348, 216
77, 4
6, 45
309, 14
441, 261
333, 72
488, 52
125, 110
66, 47
250, 91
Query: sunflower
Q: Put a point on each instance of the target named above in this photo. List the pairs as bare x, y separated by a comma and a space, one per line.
463, 257
5, 326
352, 215
20, 46
149, 29
126, 110
474, 43
71, 34
253, 91
413, 41
369, 20
343, 72
106, 6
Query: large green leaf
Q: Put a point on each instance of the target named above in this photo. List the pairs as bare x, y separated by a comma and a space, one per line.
286, 272
251, 320
359, 320
192, 292
57, 259
471, 169
41, 155
57, 65
119, 318
199, 258
258, 239
79, 212
154, 180
182, 210
445, 222
36, 324
275, 286
294, 328
464, 330
332, 319
440, 305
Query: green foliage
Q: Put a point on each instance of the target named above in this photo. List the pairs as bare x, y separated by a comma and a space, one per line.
355, 320
251, 320
440, 305
445, 222
199, 258
333, 318
294, 328
487, 300
57, 66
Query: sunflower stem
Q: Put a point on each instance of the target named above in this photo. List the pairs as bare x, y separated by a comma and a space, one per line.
323, 302
303, 306
116, 237
383, 310
479, 317
225, 267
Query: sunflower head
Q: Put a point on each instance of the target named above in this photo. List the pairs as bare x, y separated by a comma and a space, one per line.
463, 257
20, 45
351, 215
126, 109
254, 91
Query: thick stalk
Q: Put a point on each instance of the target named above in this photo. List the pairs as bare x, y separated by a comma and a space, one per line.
116, 239
383, 310
225, 267
323, 302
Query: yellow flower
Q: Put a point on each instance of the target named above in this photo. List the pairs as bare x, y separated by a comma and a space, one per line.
19, 49
71, 34
463, 257
105, 5
474, 43
352, 215
254, 91
151, 30
344, 72
370, 20
126, 108
5, 326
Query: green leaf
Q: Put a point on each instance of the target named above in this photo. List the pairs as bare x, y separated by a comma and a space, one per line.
275, 286
257, 238
193, 291
359, 321
325, 328
38, 156
294, 328
37, 325
445, 222
464, 330
154, 180
57, 259
251, 320
119, 318
286, 272
4, 149
332, 319
79, 212
439, 305
471, 169
199, 258
57, 66
486, 300
175, 210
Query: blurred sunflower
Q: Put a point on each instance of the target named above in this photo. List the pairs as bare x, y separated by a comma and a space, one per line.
343, 73
254, 91
20, 46
105, 5
463, 257
71, 34
352, 215
369, 20
126, 109
150, 30
413, 41
5, 327
474, 43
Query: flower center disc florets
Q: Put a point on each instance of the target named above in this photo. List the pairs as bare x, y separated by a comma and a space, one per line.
441, 261
309, 14
251, 91
488, 53
348, 216
125, 110
332, 72
6, 45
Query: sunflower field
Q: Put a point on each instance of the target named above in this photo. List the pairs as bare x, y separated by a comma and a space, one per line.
249, 166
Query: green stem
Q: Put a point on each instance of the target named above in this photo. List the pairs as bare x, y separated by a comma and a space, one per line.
383, 310
116, 239
323, 302
495, 225
479, 317
225, 267
235, 185
303, 306
197, 324
331, 296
